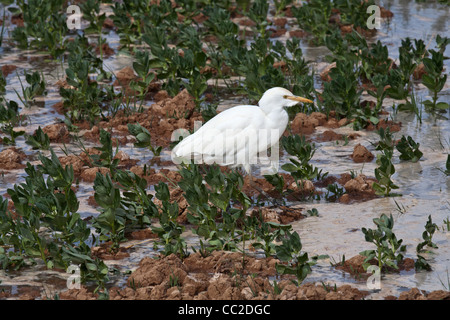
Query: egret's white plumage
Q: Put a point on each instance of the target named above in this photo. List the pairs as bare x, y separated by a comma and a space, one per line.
236, 136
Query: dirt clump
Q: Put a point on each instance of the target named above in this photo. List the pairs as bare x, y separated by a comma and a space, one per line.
354, 265
360, 184
282, 215
161, 95
8, 69
141, 234
393, 126
180, 106
124, 76
325, 74
104, 252
330, 135
306, 124
78, 294
57, 132
361, 154
89, 174
219, 275
301, 189
75, 161
358, 189
297, 33
106, 50
12, 158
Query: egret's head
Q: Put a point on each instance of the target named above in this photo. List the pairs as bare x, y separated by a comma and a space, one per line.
280, 97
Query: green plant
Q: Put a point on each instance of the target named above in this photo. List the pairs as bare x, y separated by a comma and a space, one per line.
342, 93
281, 5
9, 118
142, 68
267, 233
300, 168
39, 140
388, 252
353, 12
447, 223
385, 169
36, 88
447, 166
85, 99
258, 13
44, 26
313, 17
111, 221
136, 198
143, 138
91, 12
107, 156
296, 261
169, 231
217, 207
409, 149
334, 192
186, 61
427, 235
434, 79
2, 86
313, 212
421, 264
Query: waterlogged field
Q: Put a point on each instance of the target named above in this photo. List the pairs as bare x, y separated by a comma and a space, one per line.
93, 207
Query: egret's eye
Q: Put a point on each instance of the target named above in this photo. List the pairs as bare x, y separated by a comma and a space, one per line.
285, 97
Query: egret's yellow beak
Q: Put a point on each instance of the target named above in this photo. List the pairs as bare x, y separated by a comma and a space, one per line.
299, 99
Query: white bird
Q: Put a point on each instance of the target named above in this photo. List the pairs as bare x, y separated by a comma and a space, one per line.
236, 136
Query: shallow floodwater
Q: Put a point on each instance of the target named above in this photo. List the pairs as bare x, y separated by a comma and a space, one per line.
337, 230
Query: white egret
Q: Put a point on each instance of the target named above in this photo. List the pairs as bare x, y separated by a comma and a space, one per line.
236, 136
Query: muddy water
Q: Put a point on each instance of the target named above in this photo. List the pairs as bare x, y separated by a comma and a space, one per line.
337, 229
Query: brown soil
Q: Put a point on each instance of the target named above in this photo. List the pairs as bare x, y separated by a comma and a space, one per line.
217, 276
325, 74
12, 158
385, 13
393, 126
358, 189
416, 294
419, 71
354, 266
280, 22
106, 50
7, 69
124, 77
306, 124
108, 23
297, 33
84, 168
141, 234
17, 20
282, 215
104, 252
57, 132
361, 154
276, 33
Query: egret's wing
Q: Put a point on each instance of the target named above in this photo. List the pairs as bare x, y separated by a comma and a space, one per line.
234, 136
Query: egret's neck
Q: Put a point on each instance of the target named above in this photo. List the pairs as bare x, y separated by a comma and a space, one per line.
271, 108
276, 117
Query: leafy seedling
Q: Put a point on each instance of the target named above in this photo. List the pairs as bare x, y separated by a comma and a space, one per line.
427, 235
39, 140
389, 249
143, 138
409, 149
